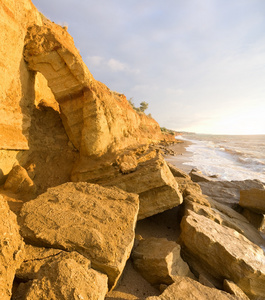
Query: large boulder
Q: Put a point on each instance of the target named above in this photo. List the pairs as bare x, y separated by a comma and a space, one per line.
224, 253
228, 192
253, 199
95, 221
11, 249
153, 181
66, 276
159, 261
186, 288
225, 215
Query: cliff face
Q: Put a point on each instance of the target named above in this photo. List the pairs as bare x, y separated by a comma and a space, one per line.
96, 119
17, 82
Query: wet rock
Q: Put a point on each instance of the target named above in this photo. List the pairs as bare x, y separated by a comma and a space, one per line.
95, 221
158, 261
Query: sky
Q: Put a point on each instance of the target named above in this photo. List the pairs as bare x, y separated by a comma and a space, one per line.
199, 64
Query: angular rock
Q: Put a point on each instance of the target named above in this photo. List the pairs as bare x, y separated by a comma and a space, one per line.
253, 199
188, 289
34, 259
225, 215
158, 200
231, 288
11, 249
127, 163
197, 176
224, 253
187, 184
155, 184
194, 196
177, 172
18, 181
95, 221
151, 174
158, 261
67, 276
228, 192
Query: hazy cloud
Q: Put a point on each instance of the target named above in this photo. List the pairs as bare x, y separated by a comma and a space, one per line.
192, 61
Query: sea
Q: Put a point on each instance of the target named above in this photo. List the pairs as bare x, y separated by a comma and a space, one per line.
229, 157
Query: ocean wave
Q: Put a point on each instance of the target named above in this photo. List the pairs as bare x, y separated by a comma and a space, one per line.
227, 161
243, 157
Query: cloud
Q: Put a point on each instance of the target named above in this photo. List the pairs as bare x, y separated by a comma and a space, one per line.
110, 65
116, 65
182, 58
94, 60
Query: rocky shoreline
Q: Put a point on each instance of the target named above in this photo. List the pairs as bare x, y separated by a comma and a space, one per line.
90, 208
185, 242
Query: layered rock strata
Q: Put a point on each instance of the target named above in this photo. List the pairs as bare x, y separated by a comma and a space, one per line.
224, 253
96, 119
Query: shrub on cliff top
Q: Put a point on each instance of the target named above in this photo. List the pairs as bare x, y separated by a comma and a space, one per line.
142, 108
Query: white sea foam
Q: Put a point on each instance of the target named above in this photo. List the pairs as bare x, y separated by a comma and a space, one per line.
228, 157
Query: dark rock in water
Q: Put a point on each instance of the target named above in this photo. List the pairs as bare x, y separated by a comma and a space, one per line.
197, 176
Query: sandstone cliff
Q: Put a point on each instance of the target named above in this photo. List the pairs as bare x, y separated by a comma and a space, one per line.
39, 62
59, 125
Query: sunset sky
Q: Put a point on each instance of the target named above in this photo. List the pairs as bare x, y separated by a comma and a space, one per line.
200, 64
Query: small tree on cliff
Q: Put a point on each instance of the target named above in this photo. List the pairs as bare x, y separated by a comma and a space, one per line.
143, 106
